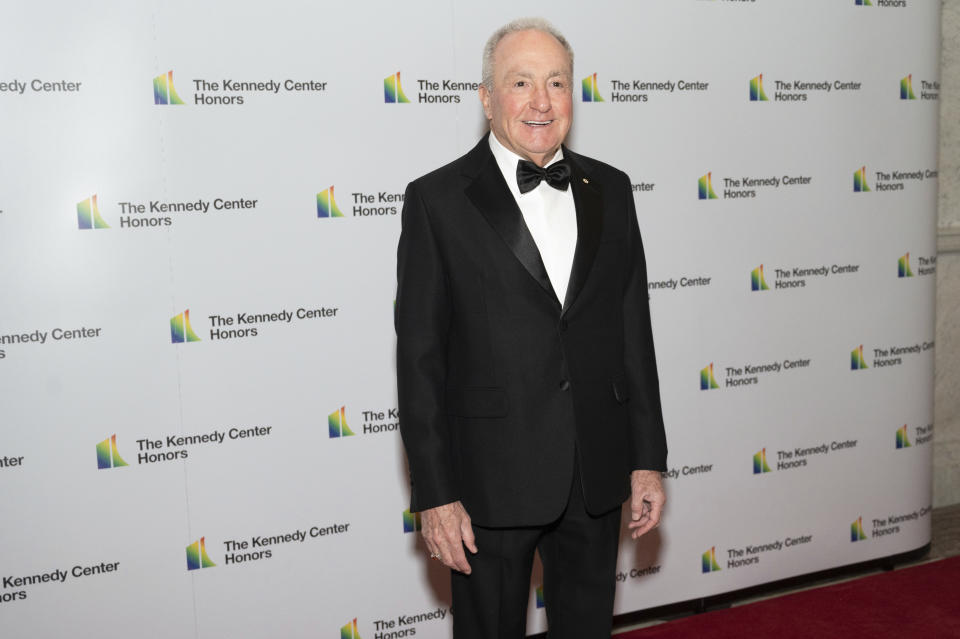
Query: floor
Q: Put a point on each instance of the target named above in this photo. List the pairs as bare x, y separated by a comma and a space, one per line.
945, 542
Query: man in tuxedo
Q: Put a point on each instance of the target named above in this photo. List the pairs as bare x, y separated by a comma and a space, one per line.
528, 392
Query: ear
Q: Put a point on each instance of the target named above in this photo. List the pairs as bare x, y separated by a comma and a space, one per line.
485, 98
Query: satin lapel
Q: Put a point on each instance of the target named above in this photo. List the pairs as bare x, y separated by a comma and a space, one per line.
589, 203
490, 194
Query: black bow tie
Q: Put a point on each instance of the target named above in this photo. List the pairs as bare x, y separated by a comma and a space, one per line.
529, 175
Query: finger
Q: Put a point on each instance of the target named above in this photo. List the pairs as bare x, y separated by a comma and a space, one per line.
640, 531
649, 521
448, 542
634, 525
469, 540
656, 511
640, 510
639, 505
429, 540
453, 557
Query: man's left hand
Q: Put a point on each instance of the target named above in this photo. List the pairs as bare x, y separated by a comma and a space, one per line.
646, 501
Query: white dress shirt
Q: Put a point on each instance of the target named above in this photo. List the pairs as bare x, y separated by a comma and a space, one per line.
549, 214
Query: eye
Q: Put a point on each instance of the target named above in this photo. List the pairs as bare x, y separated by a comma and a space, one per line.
520, 83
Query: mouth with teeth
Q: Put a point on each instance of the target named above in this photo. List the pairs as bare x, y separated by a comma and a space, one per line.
538, 122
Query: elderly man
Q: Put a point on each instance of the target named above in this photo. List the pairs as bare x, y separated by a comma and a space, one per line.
529, 400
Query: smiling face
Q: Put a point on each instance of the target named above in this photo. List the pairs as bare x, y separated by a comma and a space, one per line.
530, 107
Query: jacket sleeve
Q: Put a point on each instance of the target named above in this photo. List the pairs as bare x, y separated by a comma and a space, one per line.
422, 321
648, 439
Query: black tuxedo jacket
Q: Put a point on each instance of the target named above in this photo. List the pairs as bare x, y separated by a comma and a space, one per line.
500, 384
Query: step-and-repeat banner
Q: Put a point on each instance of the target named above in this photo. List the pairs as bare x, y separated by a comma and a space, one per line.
199, 210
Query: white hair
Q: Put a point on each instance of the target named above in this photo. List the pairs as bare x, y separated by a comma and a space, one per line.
520, 24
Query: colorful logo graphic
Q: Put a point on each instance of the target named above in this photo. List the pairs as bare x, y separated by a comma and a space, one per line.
88, 214
180, 329
903, 266
760, 463
590, 91
411, 521
902, 441
856, 359
707, 381
756, 89
350, 631
906, 88
109, 457
856, 530
757, 282
337, 420
197, 555
163, 91
393, 90
708, 561
538, 593
705, 187
327, 205
863, 3
860, 180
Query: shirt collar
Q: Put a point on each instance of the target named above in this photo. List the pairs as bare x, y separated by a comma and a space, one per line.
507, 161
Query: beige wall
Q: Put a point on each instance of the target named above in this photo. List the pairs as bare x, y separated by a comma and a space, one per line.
946, 452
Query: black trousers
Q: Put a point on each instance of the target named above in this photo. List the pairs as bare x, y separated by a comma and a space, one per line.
579, 556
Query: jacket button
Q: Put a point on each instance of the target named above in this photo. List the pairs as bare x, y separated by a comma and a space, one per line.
565, 385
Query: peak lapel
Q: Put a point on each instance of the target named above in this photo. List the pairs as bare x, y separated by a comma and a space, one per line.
589, 204
490, 194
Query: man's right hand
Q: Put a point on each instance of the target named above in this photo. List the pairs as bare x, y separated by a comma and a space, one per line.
447, 529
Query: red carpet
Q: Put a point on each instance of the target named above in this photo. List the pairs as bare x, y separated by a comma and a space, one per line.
923, 601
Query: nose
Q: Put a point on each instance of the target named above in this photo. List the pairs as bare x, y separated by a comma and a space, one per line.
540, 100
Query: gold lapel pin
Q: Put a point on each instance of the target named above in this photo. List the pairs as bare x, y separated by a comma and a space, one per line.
586, 181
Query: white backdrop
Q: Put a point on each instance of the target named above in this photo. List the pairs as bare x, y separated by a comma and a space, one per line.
225, 436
